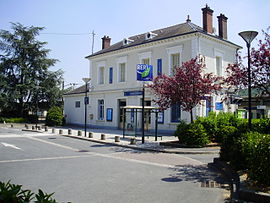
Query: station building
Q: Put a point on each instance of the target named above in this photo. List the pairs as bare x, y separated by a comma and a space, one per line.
114, 84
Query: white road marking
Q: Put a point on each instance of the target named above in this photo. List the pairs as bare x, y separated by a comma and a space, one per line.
113, 155
41, 159
10, 145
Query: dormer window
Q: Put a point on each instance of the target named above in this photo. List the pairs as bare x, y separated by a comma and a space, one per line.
150, 35
127, 41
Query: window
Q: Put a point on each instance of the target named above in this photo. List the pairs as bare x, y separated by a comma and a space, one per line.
101, 75
77, 104
122, 72
219, 55
218, 65
175, 113
174, 56
101, 109
110, 75
146, 61
175, 60
121, 69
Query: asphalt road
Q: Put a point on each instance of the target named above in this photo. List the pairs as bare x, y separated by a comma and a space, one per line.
85, 172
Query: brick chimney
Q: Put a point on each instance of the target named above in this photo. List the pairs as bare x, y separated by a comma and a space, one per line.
222, 26
207, 19
106, 42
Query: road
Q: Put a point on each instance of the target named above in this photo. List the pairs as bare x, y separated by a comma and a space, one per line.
82, 172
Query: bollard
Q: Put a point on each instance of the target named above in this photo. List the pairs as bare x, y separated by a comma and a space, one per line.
33, 127
53, 130
132, 141
11, 126
79, 133
117, 138
103, 137
69, 131
46, 128
60, 132
90, 135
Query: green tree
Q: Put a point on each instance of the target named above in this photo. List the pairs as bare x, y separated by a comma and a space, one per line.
25, 78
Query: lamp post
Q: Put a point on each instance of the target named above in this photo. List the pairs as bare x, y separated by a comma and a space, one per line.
248, 37
86, 101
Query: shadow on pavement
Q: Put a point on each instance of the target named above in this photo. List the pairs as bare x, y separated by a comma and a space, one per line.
196, 174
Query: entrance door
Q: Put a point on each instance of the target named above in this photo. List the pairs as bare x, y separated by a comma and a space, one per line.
121, 103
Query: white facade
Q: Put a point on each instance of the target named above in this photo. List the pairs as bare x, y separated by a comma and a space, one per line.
121, 64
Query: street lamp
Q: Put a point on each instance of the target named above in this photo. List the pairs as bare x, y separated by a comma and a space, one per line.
248, 36
86, 101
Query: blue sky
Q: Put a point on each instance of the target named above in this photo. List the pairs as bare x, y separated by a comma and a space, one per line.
120, 19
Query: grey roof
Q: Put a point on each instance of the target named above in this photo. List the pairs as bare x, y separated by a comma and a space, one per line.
164, 33
78, 90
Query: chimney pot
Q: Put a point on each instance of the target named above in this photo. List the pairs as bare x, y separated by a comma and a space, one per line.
222, 26
207, 19
106, 42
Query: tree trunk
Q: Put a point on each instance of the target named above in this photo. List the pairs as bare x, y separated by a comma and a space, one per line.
191, 116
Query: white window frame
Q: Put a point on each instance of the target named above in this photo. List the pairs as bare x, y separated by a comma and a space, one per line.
170, 52
220, 54
98, 113
99, 66
119, 61
145, 55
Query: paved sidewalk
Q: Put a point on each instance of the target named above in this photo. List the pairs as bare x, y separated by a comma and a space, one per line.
150, 143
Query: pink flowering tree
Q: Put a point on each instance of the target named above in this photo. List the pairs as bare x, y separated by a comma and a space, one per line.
185, 87
260, 69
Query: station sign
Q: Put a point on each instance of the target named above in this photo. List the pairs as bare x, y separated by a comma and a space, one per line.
144, 72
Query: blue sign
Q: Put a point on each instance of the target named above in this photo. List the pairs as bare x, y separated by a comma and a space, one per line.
109, 114
144, 72
86, 100
132, 93
219, 106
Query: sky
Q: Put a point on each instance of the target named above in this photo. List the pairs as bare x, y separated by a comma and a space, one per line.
69, 23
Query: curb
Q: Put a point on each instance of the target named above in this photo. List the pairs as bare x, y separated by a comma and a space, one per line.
237, 191
36, 131
136, 147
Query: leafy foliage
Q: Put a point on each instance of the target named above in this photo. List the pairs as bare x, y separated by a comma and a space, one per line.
260, 69
25, 78
11, 193
192, 134
256, 150
185, 87
54, 116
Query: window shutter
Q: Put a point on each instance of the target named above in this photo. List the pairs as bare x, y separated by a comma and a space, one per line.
159, 67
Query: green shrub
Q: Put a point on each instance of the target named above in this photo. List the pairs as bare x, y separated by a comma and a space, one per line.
54, 116
192, 134
261, 125
16, 120
2, 119
10, 193
256, 148
210, 126
229, 134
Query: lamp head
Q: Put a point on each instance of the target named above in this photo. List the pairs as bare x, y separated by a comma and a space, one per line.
86, 80
248, 36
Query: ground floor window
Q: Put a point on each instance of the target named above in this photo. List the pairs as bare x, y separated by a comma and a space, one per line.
175, 113
101, 109
77, 104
